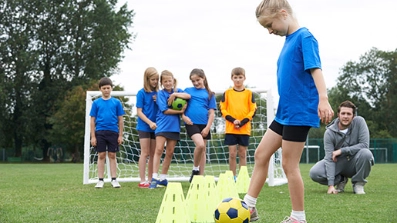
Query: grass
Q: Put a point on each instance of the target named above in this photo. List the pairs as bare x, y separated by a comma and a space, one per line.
55, 193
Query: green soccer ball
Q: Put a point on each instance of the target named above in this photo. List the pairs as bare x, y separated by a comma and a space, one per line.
178, 104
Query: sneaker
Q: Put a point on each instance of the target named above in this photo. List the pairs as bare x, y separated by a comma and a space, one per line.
340, 187
253, 213
163, 183
292, 220
144, 185
154, 183
358, 188
194, 172
115, 184
99, 184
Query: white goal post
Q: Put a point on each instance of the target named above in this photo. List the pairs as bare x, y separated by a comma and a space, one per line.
182, 162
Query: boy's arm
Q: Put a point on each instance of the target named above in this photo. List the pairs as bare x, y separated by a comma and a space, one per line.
252, 111
92, 131
223, 107
121, 130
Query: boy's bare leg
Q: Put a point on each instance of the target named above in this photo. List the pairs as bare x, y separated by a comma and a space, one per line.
112, 164
291, 154
242, 154
101, 164
232, 158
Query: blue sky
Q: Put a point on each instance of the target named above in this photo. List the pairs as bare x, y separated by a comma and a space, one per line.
218, 35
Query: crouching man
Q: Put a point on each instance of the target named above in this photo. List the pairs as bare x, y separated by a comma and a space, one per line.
347, 154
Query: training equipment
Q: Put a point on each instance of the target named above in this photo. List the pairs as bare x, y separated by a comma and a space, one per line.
178, 104
232, 210
182, 161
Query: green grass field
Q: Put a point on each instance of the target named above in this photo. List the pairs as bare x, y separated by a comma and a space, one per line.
55, 193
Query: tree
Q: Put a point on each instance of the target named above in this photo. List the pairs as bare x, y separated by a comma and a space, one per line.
48, 48
371, 84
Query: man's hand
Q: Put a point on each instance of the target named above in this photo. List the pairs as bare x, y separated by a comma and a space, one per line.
332, 190
335, 154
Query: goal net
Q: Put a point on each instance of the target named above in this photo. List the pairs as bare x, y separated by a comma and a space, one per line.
181, 166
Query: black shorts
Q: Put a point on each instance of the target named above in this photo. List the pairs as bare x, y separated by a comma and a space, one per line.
106, 141
235, 139
289, 132
196, 129
146, 135
169, 135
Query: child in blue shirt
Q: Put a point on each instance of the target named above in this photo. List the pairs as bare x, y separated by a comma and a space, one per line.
168, 126
147, 110
198, 118
106, 130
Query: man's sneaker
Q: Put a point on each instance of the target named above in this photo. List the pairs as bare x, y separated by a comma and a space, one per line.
154, 183
194, 172
99, 184
115, 184
253, 213
144, 185
358, 188
340, 187
291, 220
163, 183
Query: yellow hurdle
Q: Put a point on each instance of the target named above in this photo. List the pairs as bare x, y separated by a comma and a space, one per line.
173, 208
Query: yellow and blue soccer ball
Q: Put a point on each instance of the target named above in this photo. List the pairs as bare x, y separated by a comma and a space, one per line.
232, 210
178, 104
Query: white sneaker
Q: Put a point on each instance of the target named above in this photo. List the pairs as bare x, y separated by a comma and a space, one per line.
99, 184
358, 188
115, 184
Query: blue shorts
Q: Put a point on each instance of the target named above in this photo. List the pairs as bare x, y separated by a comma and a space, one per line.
289, 132
106, 141
236, 139
196, 129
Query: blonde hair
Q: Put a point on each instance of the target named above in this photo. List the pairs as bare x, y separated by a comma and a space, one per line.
167, 73
238, 71
270, 8
200, 73
149, 73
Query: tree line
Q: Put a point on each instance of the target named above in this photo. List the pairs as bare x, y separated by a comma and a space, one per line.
52, 52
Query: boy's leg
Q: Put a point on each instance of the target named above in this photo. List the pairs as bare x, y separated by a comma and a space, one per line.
112, 164
242, 154
101, 164
232, 158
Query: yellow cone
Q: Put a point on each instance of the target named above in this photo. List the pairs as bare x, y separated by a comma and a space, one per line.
243, 180
226, 187
173, 208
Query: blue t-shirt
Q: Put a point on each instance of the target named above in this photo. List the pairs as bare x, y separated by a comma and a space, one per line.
145, 101
199, 104
106, 113
166, 123
298, 102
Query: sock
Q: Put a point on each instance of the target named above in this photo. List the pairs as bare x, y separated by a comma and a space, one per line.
298, 215
100, 179
155, 176
249, 200
196, 168
113, 178
163, 177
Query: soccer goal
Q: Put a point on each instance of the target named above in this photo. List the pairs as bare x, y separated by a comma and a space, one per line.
182, 162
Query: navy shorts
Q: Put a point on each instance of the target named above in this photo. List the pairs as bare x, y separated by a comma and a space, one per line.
106, 141
235, 139
289, 132
169, 135
196, 129
146, 135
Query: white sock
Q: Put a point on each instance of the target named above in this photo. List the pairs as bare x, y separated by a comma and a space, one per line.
298, 215
163, 177
155, 175
250, 201
196, 168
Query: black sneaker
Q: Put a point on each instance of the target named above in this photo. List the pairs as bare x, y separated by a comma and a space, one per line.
194, 172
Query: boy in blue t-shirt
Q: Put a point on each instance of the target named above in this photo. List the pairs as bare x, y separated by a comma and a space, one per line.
106, 130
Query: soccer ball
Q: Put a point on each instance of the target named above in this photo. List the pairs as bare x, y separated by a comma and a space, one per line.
232, 210
178, 103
